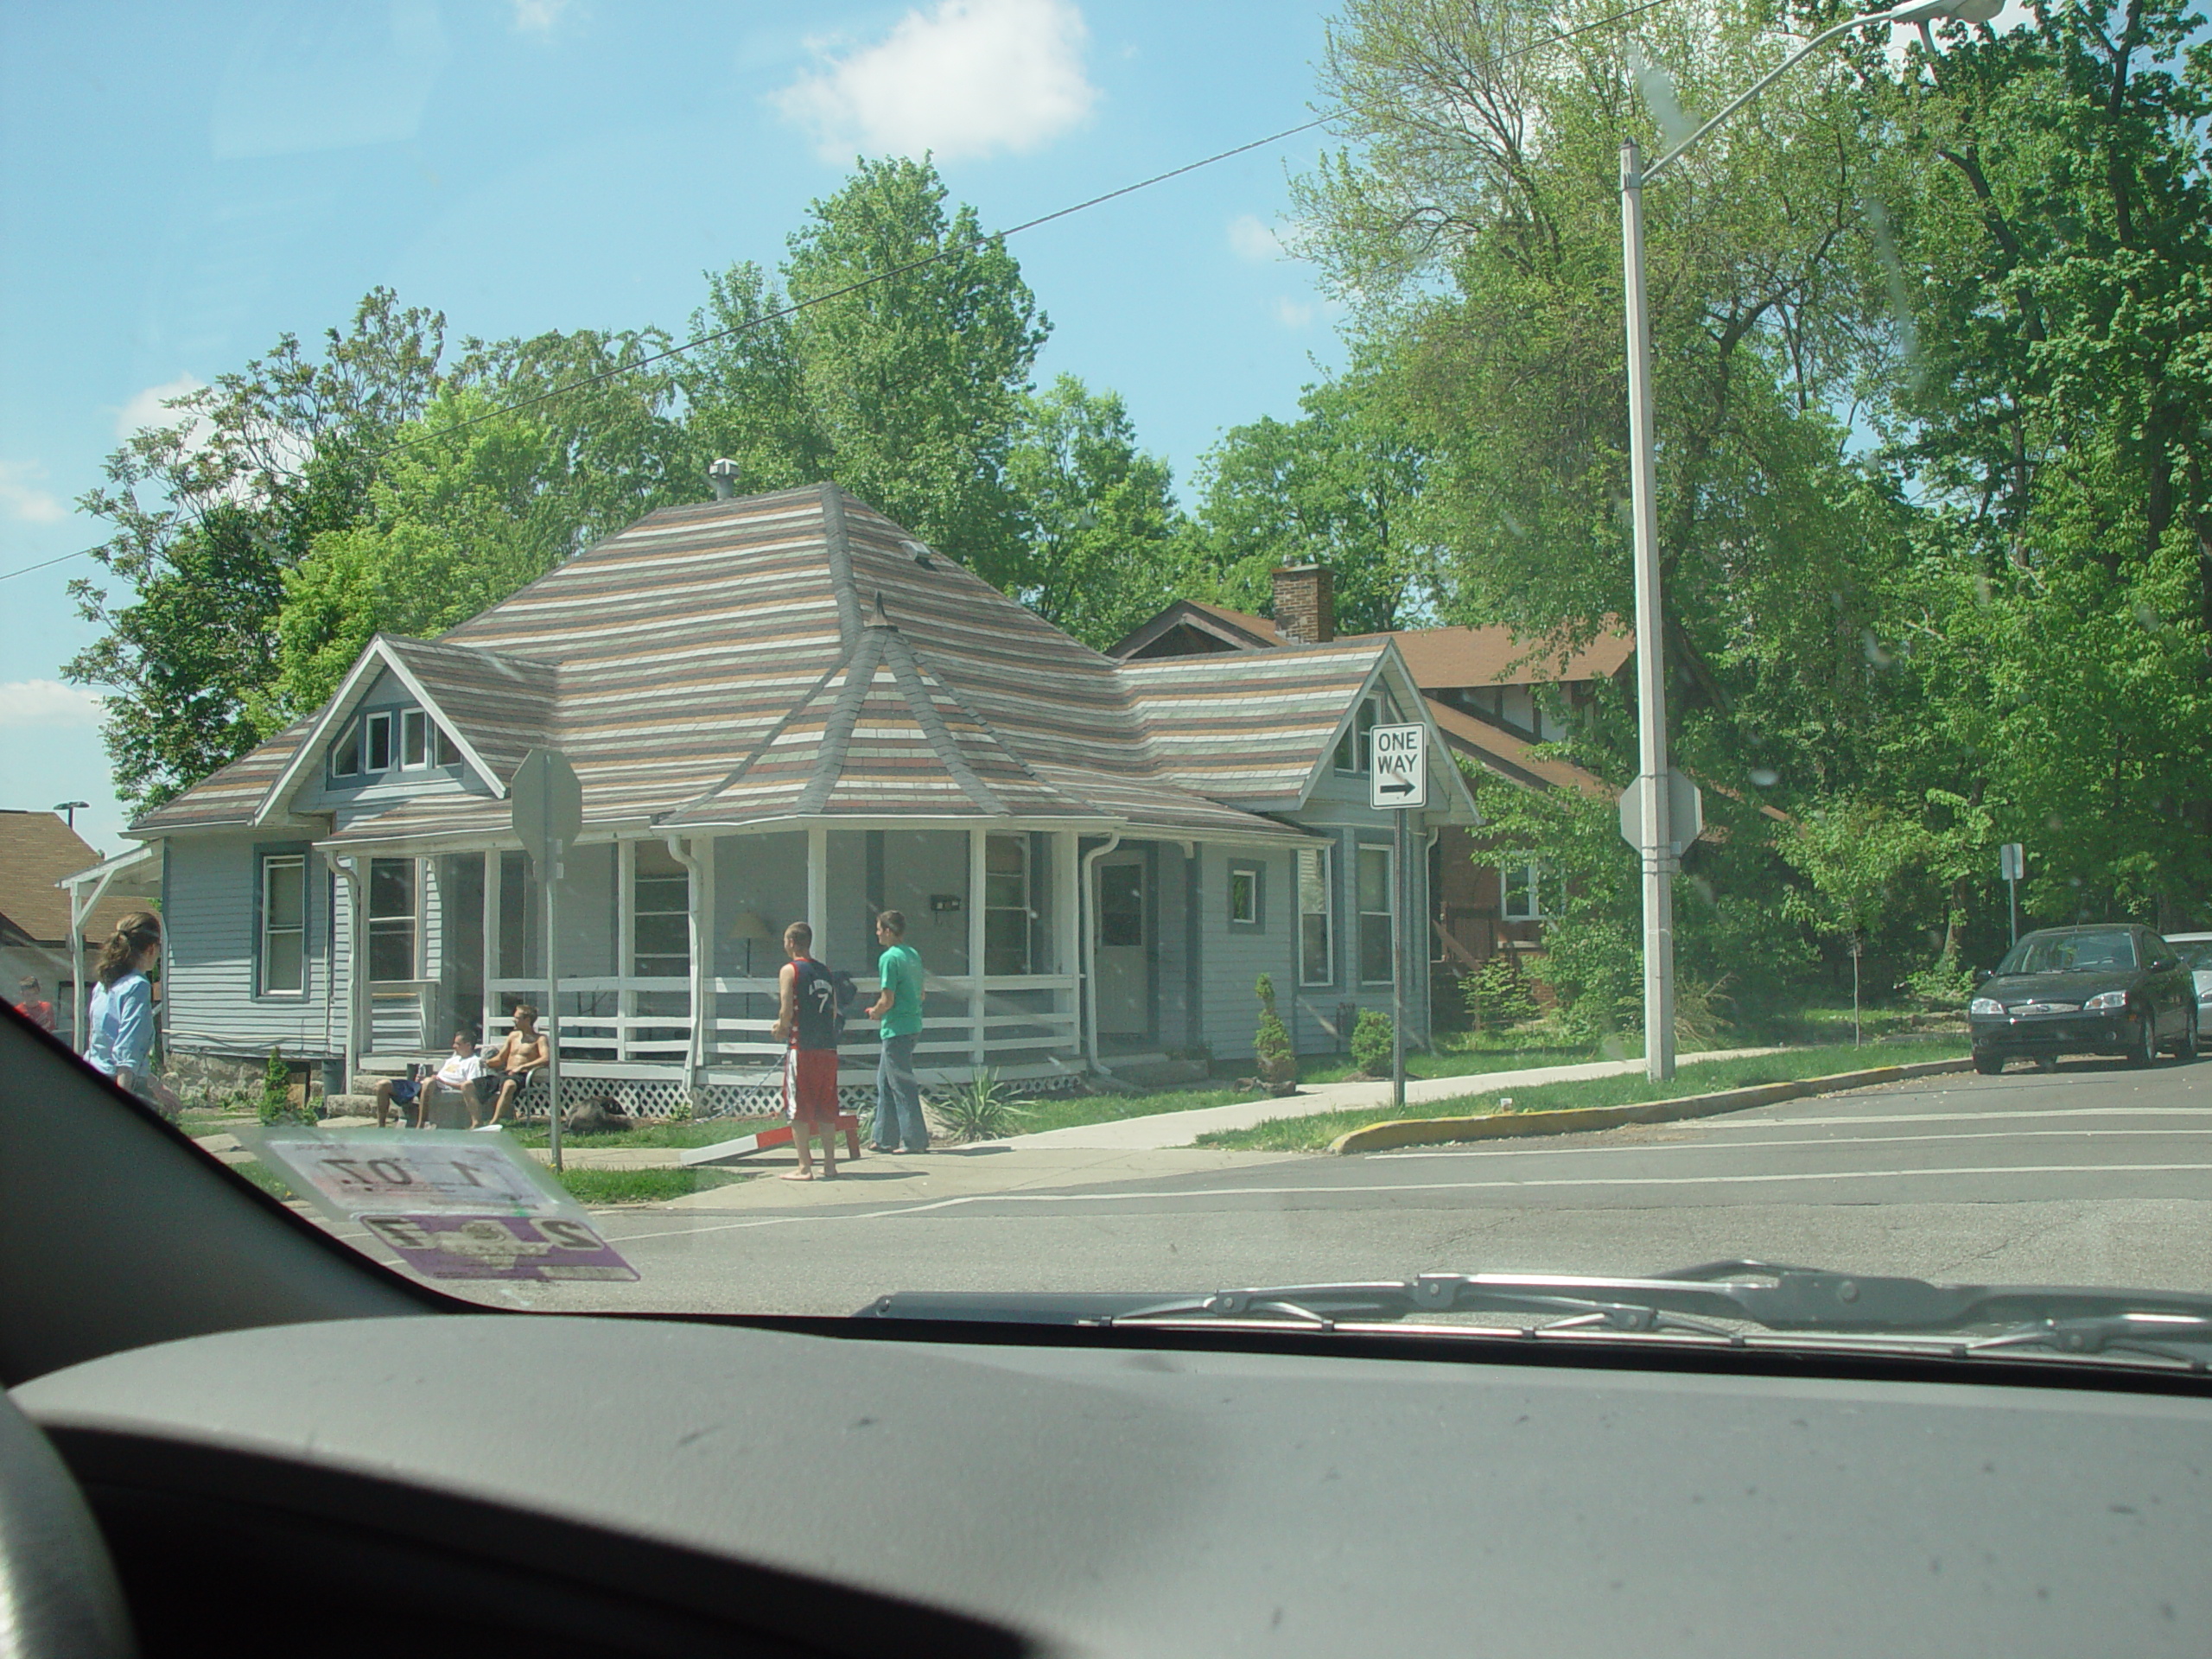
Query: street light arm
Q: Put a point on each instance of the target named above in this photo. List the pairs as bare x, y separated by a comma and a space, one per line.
1894, 15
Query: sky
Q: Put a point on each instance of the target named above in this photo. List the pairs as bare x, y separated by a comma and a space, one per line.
179, 185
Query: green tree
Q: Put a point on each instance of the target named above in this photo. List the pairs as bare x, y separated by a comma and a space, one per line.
209, 511
1335, 488
913, 352
1101, 551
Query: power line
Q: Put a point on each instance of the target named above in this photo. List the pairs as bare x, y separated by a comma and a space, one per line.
796, 306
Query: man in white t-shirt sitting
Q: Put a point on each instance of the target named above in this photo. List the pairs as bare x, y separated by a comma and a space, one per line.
457, 1076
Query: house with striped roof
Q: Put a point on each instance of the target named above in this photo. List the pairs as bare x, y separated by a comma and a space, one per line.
784, 707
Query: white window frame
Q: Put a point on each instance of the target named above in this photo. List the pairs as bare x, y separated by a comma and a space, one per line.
638, 913
370, 725
352, 734
1251, 880
1355, 739
1389, 921
292, 867
384, 924
414, 740
1531, 872
1324, 885
1025, 963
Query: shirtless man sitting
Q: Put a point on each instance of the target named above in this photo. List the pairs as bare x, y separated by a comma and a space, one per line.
507, 1074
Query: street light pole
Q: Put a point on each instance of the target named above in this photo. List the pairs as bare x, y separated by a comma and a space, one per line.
1658, 853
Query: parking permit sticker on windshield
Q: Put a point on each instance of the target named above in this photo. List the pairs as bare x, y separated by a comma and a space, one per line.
448, 1209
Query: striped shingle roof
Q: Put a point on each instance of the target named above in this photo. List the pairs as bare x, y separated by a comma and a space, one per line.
798, 655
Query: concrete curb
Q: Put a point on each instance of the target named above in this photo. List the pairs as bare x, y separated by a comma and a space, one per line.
1495, 1126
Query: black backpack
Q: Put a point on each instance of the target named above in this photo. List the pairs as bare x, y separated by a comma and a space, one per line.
847, 993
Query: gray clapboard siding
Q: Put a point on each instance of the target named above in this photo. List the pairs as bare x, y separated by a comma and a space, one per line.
209, 972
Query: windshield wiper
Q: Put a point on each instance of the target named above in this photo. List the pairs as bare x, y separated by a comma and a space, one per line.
1707, 1300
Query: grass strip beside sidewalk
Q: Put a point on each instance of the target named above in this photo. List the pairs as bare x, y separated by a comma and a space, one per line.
1320, 1133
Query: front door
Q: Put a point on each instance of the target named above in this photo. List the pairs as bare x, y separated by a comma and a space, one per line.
1124, 948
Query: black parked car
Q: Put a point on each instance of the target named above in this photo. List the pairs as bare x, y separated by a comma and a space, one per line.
2108, 989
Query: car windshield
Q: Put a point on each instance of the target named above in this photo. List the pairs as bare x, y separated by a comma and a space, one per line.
739, 658
2066, 953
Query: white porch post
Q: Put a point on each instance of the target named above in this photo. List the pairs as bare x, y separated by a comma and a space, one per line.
817, 883
491, 952
978, 838
702, 886
80, 910
1067, 929
625, 938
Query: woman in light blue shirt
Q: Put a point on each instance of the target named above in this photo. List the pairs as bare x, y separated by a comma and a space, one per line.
120, 1019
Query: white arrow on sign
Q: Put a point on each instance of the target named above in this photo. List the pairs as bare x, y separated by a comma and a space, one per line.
1397, 772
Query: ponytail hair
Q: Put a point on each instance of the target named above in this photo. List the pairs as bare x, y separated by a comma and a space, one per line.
120, 954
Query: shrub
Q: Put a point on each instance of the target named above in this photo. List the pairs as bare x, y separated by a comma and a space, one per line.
1372, 1043
1278, 1061
1699, 1022
980, 1110
1499, 994
276, 1105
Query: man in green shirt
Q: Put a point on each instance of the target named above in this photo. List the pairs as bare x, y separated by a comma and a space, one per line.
899, 1123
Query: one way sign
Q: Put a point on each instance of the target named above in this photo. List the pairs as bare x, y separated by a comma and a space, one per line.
1397, 774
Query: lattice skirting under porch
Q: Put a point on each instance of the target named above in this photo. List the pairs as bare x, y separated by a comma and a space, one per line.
663, 1098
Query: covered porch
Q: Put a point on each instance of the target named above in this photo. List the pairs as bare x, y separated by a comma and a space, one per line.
669, 947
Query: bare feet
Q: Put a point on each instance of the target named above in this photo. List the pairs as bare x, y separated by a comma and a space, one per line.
798, 1175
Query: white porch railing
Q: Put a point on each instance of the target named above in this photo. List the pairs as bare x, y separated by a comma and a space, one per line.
993, 1027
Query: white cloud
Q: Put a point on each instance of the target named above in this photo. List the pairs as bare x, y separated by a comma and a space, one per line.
1295, 313
144, 408
20, 498
969, 78
46, 704
1251, 238
540, 17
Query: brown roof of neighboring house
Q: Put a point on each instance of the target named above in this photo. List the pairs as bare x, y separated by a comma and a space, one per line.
1509, 757
1442, 658
36, 850
798, 655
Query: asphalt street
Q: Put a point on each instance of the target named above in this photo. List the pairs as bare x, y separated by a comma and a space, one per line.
2096, 1173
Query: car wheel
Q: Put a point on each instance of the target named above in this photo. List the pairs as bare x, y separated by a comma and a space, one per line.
2146, 1047
2190, 1044
2046, 1062
1989, 1064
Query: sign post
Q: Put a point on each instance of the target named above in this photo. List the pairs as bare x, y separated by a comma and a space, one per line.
1397, 781
548, 802
1660, 816
2011, 865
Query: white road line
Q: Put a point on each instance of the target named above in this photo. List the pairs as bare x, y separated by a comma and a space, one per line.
1428, 1186
1519, 1149
2042, 1113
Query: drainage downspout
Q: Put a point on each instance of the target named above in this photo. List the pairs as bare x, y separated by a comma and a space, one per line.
1089, 964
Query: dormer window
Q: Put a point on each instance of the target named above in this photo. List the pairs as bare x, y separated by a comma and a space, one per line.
345, 754
376, 743
414, 739
443, 750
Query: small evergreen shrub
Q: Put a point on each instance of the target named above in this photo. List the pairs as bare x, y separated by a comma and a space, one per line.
980, 1110
1271, 1047
1499, 994
276, 1102
1372, 1043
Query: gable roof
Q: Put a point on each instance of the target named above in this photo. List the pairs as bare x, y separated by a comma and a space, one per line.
798, 655
38, 849
1500, 753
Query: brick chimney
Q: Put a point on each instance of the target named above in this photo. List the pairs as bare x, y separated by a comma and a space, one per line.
1305, 604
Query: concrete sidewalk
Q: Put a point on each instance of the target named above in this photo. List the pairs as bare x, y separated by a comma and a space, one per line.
1181, 1128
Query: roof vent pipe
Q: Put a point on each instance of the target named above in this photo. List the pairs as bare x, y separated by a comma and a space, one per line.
724, 475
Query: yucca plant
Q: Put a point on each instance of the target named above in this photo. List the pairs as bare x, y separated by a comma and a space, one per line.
979, 1110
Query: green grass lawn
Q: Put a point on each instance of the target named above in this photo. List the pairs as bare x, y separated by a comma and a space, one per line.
1314, 1134
602, 1187
693, 1132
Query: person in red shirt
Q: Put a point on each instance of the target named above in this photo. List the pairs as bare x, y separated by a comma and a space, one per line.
34, 1006
806, 1013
